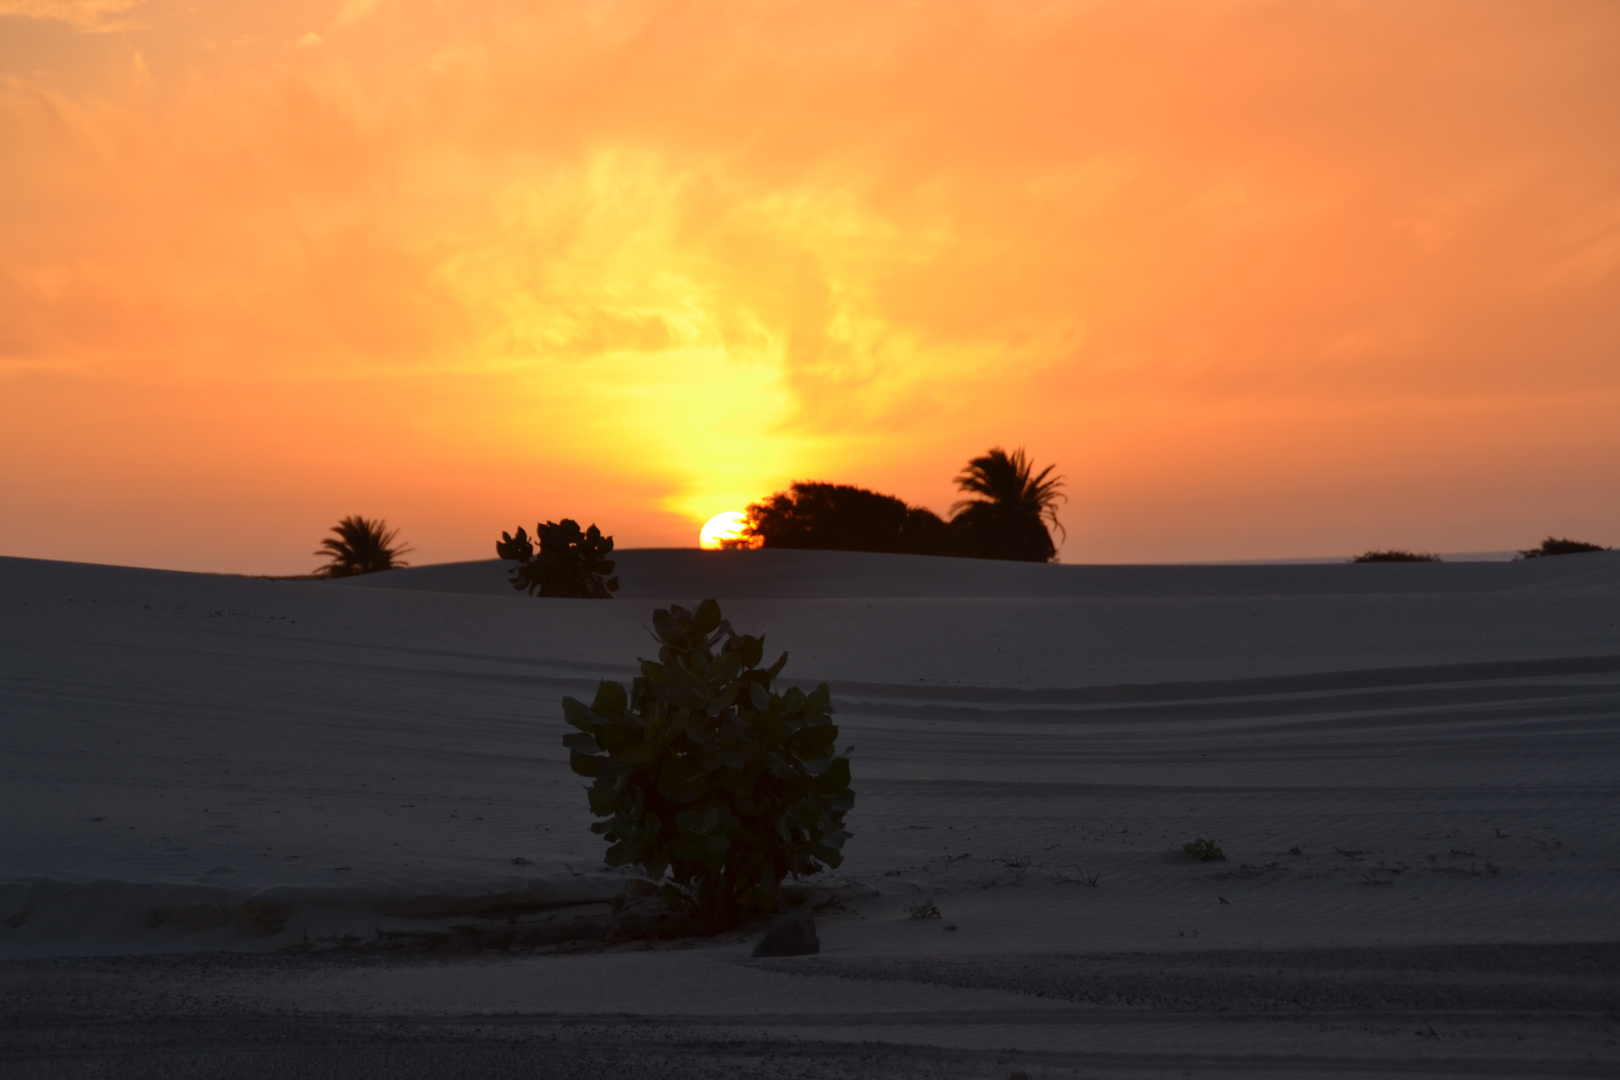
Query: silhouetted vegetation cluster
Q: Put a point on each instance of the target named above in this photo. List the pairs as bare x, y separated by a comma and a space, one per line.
1396, 555
1553, 546
1009, 514
569, 563
361, 546
706, 774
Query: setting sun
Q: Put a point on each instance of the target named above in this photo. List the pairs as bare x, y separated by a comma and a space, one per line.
720, 528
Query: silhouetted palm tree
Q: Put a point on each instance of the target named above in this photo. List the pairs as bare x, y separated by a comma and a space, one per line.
362, 546
1009, 519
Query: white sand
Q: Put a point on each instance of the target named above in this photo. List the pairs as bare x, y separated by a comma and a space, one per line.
186, 761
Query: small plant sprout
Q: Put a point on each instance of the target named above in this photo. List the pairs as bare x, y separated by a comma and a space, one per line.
1204, 850
924, 909
1295, 851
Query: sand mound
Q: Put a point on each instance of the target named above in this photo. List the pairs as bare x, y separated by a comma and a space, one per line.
665, 573
199, 761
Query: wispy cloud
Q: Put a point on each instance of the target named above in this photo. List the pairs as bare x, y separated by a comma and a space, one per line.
90, 15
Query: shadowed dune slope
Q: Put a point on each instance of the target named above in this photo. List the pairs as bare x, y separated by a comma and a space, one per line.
193, 762
666, 573
1413, 771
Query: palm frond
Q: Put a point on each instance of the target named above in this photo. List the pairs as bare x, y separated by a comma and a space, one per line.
1004, 481
1013, 507
361, 546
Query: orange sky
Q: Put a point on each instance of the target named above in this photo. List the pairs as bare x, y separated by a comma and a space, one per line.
1264, 279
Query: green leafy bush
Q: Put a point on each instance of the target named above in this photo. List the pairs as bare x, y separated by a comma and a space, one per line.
570, 563
707, 775
1396, 555
1204, 850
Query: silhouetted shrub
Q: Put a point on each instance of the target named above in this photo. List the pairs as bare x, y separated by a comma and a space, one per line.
708, 775
1396, 555
1551, 546
362, 546
840, 517
924, 909
569, 563
1009, 519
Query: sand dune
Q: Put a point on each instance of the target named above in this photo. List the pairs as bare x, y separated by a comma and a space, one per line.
662, 573
1418, 756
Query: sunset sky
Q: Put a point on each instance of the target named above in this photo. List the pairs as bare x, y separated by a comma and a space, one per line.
1264, 279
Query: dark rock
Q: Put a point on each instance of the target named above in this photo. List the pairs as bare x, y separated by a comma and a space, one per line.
793, 936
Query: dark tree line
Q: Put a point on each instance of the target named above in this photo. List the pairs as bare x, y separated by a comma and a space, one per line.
1008, 512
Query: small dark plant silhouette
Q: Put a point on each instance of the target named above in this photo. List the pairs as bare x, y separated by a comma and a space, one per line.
569, 563
710, 781
924, 909
1204, 850
362, 546
1013, 507
1553, 546
1396, 555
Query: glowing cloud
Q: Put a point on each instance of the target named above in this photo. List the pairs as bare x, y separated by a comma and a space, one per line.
84, 14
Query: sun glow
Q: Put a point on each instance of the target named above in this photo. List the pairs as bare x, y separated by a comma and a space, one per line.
720, 528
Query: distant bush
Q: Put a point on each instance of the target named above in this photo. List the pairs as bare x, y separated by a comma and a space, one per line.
841, 517
1551, 546
569, 563
362, 546
1204, 850
1010, 515
1396, 555
708, 775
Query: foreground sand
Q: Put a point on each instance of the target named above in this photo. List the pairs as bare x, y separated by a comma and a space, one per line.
195, 765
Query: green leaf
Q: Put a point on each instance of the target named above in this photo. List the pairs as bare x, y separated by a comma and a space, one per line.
603, 799
617, 739
578, 715
683, 781
584, 765
688, 848
610, 699
706, 619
